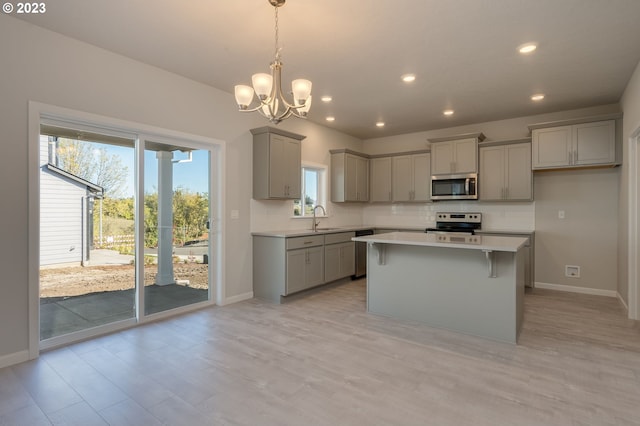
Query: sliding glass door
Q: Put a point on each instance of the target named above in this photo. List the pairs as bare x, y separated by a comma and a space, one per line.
176, 226
87, 240
124, 228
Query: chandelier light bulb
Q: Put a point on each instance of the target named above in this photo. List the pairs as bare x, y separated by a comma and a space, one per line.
301, 89
262, 84
244, 95
307, 106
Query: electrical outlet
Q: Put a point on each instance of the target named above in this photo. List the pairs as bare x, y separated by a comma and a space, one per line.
235, 214
572, 271
560, 214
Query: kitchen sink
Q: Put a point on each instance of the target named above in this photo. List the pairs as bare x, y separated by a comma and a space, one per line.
325, 229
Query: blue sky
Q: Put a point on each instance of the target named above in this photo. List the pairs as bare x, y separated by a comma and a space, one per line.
192, 176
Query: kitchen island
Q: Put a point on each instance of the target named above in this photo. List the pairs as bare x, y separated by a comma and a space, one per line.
472, 284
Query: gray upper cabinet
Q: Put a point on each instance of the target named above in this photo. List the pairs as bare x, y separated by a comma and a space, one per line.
276, 164
505, 172
380, 179
455, 154
574, 145
349, 176
412, 178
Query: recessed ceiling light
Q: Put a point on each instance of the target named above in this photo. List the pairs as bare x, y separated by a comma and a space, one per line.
527, 48
448, 112
408, 78
330, 119
326, 99
537, 97
380, 124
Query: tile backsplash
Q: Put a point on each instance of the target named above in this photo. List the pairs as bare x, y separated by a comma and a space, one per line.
495, 216
276, 215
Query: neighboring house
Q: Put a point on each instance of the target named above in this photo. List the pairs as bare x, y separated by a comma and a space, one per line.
66, 212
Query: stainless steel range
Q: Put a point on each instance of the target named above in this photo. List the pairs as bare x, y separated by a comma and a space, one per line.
456, 223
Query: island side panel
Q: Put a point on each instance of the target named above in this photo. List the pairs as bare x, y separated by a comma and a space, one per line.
448, 288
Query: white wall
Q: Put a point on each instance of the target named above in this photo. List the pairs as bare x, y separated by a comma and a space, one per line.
39, 65
630, 105
588, 235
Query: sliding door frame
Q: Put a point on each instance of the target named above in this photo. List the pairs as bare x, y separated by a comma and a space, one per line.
217, 149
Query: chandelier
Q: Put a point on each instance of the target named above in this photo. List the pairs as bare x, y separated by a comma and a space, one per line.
268, 89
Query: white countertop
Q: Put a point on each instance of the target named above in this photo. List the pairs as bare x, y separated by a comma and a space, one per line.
473, 242
332, 230
306, 232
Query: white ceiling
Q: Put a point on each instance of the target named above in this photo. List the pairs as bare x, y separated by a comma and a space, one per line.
462, 51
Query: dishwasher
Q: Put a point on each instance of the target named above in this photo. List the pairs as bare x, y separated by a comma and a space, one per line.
361, 254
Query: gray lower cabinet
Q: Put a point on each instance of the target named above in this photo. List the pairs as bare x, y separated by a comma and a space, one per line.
284, 266
304, 269
339, 256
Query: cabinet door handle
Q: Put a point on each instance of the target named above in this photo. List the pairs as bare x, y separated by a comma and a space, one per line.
506, 193
389, 195
308, 242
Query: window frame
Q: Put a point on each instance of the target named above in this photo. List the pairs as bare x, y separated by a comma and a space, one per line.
321, 190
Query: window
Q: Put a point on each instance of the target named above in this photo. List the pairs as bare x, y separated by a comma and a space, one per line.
313, 190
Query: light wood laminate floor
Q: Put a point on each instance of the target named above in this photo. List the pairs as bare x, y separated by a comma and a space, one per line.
322, 360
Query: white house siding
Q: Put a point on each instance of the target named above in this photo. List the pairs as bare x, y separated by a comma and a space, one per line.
61, 222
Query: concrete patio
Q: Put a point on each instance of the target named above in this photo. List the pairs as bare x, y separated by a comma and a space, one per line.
64, 315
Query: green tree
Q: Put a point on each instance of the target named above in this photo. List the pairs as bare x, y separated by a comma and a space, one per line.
190, 215
121, 208
151, 219
96, 165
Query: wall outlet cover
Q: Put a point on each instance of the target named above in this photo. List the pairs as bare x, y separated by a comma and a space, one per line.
572, 271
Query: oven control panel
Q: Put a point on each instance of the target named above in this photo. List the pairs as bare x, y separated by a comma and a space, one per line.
459, 217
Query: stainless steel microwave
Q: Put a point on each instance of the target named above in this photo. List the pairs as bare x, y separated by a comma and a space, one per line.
454, 187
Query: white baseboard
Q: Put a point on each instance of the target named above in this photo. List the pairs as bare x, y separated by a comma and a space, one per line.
14, 358
574, 289
626, 307
238, 298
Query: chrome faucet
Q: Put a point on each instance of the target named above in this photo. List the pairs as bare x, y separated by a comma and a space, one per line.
314, 225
